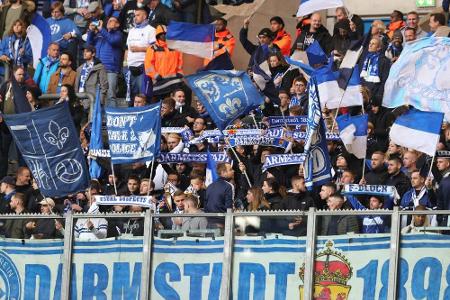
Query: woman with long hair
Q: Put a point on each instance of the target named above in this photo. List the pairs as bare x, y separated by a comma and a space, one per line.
256, 200
67, 93
273, 192
15, 48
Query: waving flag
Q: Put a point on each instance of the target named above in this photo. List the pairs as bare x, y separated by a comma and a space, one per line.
352, 94
316, 55
96, 142
211, 171
353, 133
349, 62
309, 6
328, 89
226, 95
191, 38
317, 160
420, 77
39, 35
260, 69
418, 130
49, 144
134, 133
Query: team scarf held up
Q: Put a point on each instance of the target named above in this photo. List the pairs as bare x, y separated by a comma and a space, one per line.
14, 46
370, 72
85, 71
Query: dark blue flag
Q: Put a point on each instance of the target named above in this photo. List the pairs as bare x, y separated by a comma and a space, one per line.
261, 74
317, 164
96, 142
221, 62
51, 149
134, 133
226, 95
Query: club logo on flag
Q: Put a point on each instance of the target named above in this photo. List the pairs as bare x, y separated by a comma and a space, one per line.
51, 149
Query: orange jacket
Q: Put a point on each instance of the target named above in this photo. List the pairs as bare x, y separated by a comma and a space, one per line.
162, 61
283, 40
225, 41
392, 27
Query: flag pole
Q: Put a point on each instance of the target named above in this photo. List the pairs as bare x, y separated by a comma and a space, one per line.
150, 178
431, 165
114, 177
239, 161
364, 168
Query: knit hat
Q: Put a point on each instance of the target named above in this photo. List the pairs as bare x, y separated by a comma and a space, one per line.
266, 32
160, 29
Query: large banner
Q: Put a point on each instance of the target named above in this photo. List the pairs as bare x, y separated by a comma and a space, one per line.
347, 267
51, 149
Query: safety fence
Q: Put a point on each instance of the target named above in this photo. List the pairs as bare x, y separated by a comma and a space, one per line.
240, 255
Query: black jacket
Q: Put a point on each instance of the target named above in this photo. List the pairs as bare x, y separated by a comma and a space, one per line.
401, 182
378, 176
322, 36
377, 89
173, 119
219, 196
250, 47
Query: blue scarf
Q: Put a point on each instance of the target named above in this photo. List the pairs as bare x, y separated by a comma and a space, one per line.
49, 62
370, 72
85, 71
395, 50
13, 52
128, 82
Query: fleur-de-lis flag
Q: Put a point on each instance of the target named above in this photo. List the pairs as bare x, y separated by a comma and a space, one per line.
226, 95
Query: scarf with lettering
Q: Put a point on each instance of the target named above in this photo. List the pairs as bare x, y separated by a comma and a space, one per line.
14, 45
370, 71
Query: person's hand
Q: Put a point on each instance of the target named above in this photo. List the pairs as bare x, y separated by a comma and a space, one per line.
76, 207
90, 225
190, 120
34, 184
82, 11
100, 25
363, 181
429, 183
30, 225
242, 167
92, 27
67, 36
58, 225
177, 4
21, 51
247, 22
5, 58
277, 81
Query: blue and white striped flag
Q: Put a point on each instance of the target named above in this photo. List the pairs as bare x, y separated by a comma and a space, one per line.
191, 38
418, 130
40, 36
353, 133
317, 164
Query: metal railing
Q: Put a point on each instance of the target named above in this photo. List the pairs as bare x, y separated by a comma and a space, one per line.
228, 236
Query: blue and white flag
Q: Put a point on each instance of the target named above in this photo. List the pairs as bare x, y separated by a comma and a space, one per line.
353, 133
305, 67
328, 89
261, 74
226, 95
349, 62
211, 170
309, 6
96, 142
191, 38
40, 36
50, 146
418, 130
134, 133
317, 164
352, 94
420, 77
316, 55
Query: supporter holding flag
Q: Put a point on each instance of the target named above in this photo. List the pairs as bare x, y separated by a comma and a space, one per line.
282, 39
46, 67
437, 25
163, 65
353, 133
224, 40
313, 32
108, 44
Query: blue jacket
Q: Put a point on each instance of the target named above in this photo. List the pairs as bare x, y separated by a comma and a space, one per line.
43, 72
7, 42
219, 196
372, 223
109, 48
407, 203
60, 27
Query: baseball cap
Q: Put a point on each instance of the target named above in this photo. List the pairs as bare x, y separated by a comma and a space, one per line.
47, 201
266, 32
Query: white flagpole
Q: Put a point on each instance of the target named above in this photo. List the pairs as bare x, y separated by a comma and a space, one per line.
431, 165
239, 161
364, 168
151, 175
114, 178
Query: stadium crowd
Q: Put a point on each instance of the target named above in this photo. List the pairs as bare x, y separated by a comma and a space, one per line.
119, 44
